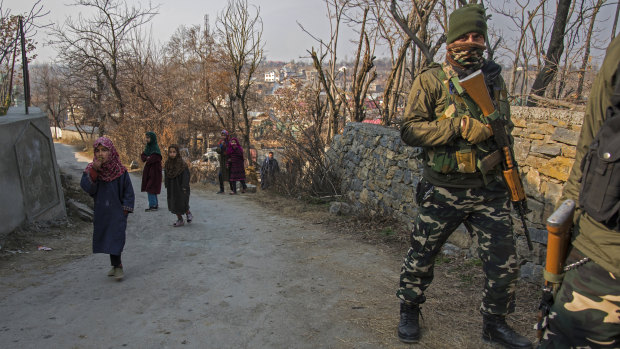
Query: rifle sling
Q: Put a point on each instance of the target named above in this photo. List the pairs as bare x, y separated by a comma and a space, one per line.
553, 278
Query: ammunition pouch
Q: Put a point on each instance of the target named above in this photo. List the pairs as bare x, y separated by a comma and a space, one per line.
466, 160
463, 158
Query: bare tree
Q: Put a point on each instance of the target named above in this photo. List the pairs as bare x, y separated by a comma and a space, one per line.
193, 56
10, 47
364, 74
586, 54
49, 92
524, 18
416, 26
99, 43
301, 115
241, 31
554, 51
328, 71
398, 44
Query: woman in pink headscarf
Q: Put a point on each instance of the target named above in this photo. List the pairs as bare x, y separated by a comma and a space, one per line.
236, 166
108, 182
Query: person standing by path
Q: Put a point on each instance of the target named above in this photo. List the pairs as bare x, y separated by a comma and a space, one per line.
221, 149
236, 166
443, 119
107, 181
176, 181
268, 171
151, 175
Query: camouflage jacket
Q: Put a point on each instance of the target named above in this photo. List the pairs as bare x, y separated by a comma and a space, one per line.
593, 238
432, 121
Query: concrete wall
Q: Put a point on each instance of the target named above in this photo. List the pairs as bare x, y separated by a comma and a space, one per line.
380, 172
29, 177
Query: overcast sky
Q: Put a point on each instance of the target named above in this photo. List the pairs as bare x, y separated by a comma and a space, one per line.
284, 39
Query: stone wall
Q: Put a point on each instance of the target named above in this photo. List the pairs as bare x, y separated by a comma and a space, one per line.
29, 177
380, 173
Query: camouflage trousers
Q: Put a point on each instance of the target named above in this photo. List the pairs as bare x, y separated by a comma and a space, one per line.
586, 311
441, 211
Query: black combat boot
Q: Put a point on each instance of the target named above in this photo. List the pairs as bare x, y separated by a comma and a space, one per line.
409, 325
496, 330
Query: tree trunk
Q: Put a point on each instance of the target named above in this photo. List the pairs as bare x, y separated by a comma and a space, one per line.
246, 130
554, 52
586, 55
391, 85
613, 28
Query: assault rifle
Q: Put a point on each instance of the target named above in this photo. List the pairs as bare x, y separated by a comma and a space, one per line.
476, 88
558, 239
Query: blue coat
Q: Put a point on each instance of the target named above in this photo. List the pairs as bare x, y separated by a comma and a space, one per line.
111, 200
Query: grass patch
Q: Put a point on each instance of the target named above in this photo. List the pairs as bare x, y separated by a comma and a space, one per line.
467, 279
441, 259
388, 231
474, 262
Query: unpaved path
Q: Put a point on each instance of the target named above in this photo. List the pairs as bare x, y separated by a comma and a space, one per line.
236, 277
239, 276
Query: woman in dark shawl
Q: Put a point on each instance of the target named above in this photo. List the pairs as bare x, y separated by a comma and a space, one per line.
236, 166
176, 181
221, 150
151, 176
108, 182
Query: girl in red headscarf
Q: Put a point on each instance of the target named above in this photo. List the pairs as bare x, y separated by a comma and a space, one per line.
108, 182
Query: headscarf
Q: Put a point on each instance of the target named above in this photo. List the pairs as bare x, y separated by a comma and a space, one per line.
230, 149
176, 166
111, 169
152, 147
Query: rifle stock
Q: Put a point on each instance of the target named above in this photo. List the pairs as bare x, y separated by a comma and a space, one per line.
476, 88
558, 238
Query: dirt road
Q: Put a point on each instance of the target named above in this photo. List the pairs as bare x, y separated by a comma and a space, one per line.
239, 276
236, 277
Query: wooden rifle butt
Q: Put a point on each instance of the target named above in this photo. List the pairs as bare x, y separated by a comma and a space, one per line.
558, 236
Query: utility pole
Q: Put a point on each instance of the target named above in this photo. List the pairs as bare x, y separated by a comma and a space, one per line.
24, 65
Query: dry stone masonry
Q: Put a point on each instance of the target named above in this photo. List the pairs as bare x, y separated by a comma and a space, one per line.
380, 173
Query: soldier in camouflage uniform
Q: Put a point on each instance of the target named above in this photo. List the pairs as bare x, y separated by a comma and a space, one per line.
461, 181
586, 311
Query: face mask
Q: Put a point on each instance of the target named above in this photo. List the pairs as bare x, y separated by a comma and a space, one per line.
469, 56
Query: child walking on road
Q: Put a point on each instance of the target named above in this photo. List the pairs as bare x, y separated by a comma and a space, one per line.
177, 185
151, 176
108, 182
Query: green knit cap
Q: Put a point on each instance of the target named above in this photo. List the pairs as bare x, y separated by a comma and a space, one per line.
467, 19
